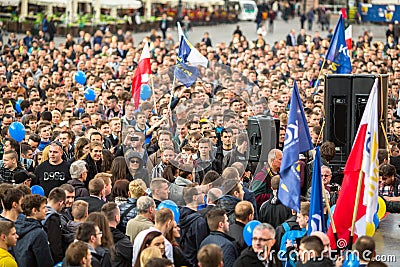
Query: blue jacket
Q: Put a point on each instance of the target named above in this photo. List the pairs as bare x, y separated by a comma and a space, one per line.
225, 242
32, 247
193, 231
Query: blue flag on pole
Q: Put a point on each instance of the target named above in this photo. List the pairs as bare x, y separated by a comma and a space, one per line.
188, 54
316, 217
338, 52
297, 140
186, 74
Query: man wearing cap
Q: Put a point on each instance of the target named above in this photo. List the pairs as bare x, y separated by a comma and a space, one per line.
23, 177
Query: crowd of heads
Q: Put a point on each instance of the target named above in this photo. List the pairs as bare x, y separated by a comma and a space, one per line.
186, 144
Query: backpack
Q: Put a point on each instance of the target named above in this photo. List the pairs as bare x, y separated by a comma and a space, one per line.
289, 259
67, 236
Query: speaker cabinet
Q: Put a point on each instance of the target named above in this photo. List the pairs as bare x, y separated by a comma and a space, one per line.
263, 133
345, 99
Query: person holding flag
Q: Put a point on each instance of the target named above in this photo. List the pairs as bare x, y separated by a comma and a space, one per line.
297, 140
358, 199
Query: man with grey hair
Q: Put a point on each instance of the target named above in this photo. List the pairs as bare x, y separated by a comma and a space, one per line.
259, 254
78, 172
261, 184
145, 218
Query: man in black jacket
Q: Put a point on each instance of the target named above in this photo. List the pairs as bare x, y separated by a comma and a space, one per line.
218, 223
123, 246
90, 233
260, 254
96, 191
32, 246
193, 225
53, 223
273, 211
244, 212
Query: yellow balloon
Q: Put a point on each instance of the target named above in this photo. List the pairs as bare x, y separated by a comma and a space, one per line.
370, 230
382, 208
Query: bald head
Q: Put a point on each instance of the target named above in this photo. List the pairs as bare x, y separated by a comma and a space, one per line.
324, 238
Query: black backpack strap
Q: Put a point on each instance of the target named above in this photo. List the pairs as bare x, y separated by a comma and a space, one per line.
127, 211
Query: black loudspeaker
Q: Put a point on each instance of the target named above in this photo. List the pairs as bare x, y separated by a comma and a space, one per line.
263, 133
345, 99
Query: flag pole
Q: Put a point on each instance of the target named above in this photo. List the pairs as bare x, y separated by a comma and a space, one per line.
154, 95
172, 92
328, 205
381, 116
319, 74
320, 133
355, 210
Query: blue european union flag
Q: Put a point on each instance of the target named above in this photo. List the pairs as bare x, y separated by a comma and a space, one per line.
338, 53
186, 74
297, 140
184, 50
316, 217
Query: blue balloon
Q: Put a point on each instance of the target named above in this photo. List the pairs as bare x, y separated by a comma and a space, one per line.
169, 204
376, 220
37, 190
351, 260
248, 231
80, 77
17, 131
90, 94
145, 92
328, 222
18, 106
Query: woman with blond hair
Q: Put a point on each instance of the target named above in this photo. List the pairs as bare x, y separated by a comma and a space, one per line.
149, 253
128, 210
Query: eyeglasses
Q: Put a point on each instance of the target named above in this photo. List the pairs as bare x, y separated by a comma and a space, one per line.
100, 233
326, 175
134, 161
213, 136
261, 239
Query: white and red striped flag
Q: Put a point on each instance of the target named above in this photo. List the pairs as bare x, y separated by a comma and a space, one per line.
348, 36
141, 75
363, 158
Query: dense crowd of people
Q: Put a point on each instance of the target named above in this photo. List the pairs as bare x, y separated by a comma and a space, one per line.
89, 185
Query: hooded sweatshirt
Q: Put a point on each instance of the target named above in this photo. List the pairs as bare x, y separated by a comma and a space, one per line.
32, 247
193, 231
